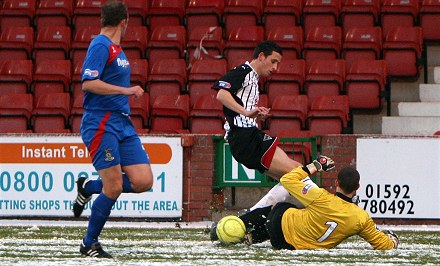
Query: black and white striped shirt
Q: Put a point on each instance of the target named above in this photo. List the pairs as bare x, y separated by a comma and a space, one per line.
242, 83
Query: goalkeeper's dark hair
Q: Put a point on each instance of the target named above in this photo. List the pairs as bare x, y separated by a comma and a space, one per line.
348, 179
267, 47
112, 13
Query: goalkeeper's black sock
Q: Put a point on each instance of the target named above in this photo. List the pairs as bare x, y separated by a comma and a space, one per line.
255, 223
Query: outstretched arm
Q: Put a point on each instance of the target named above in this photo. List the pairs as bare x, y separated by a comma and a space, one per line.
227, 100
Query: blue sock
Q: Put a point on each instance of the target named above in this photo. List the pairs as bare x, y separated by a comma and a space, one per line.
126, 185
95, 186
101, 209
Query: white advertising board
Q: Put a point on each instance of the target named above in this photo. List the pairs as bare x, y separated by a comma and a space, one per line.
400, 178
38, 174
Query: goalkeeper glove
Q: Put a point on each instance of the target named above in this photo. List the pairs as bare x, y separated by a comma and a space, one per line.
321, 164
393, 237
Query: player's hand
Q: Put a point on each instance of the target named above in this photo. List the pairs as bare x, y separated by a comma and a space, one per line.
136, 91
252, 113
263, 113
393, 237
321, 164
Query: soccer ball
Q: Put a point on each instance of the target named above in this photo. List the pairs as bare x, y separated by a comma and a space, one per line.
230, 230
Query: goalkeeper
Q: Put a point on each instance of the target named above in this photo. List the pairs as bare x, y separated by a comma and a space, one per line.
327, 219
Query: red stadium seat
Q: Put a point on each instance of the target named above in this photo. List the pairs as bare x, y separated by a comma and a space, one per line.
15, 76
298, 151
15, 112
51, 113
81, 42
87, 13
53, 42
53, 12
206, 116
17, 13
402, 50
76, 84
167, 77
318, 13
135, 42
137, 12
76, 114
165, 13
241, 43
325, 77
166, 42
329, 115
241, 13
169, 114
16, 43
429, 17
288, 112
205, 42
51, 76
202, 76
322, 43
359, 13
290, 38
281, 13
140, 111
203, 13
397, 13
362, 43
365, 85
287, 80
139, 72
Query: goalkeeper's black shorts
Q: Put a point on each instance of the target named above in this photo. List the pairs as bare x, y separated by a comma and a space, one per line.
252, 147
273, 226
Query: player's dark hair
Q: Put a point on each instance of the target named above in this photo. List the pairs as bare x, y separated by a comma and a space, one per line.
348, 179
267, 47
112, 13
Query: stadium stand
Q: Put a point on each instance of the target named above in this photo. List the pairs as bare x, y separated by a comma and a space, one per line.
281, 13
140, 112
165, 13
16, 76
325, 77
169, 114
359, 13
202, 76
329, 115
135, 42
288, 112
167, 77
397, 13
203, 13
206, 116
53, 42
87, 13
137, 12
429, 16
290, 38
205, 42
242, 13
16, 43
51, 113
76, 113
53, 13
139, 72
287, 80
17, 13
322, 43
15, 112
318, 13
241, 43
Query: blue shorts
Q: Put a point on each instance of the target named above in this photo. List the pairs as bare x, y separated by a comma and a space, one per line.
111, 140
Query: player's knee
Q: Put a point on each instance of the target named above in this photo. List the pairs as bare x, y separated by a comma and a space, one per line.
143, 185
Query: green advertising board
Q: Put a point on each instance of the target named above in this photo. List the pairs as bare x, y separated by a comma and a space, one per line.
230, 173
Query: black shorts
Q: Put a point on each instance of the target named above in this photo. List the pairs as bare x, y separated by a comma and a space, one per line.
273, 226
252, 147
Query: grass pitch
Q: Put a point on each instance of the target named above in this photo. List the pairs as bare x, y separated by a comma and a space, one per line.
186, 245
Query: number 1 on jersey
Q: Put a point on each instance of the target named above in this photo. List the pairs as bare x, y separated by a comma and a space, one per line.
331, 227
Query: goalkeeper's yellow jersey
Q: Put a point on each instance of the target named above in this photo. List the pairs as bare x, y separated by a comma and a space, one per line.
326, 220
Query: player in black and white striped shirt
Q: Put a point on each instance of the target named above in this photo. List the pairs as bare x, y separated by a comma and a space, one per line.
239, 94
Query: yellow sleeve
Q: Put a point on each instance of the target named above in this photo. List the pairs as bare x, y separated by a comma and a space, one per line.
376, 238
305, 193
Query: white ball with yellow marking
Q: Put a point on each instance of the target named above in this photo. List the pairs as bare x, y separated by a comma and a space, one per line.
230, 230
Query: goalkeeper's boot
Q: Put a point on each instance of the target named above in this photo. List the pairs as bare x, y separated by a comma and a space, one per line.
81, 198
95, 250
213, 233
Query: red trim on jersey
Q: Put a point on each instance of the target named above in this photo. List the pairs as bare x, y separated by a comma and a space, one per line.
97, 139
267, 157
113, 52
